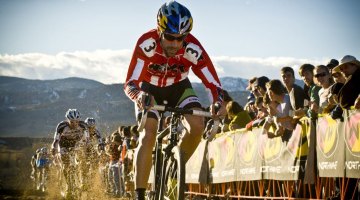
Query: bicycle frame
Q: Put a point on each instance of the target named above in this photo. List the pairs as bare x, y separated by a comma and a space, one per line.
163, 153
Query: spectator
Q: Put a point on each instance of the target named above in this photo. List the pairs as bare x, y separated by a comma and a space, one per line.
239, 117
250, 106
296, 93
261, 114
334, 108
332, 63
277, 93
271, 107
259, 86
324, 80
226, 120
113, 150
312, 90
135, 136
349, 93
338, 77
251, 81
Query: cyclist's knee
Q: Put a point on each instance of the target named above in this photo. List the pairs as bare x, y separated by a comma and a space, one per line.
148, 136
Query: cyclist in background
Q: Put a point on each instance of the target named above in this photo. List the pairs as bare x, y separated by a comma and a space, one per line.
70, 133
43, 166
94, 133
33, 166
93, 149
159, 67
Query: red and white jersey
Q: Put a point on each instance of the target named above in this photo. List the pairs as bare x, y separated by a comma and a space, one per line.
149, 64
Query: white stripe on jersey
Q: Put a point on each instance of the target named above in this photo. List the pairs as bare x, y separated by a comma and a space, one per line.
137, 71
170, 81
209, 76
154, 80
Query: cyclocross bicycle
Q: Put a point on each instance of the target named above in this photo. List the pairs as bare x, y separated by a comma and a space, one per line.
168, 180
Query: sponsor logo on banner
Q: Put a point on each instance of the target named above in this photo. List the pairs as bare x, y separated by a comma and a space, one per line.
227, 150
352, 134
293, 144
270, 149
327, 136
247, 148
214, 155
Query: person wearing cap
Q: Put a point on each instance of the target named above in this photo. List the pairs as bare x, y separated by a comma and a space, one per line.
296, 93
250, 105
261, 114
332, 63
349, 93
349, 96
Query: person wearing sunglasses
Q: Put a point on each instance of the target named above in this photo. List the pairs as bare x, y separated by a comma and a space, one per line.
324, 80
159, 67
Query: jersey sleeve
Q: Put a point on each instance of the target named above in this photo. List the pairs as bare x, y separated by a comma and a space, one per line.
204, 69
59, 129
144, 49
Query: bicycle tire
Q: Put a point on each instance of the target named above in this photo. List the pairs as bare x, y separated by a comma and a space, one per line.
173, 179
154, 192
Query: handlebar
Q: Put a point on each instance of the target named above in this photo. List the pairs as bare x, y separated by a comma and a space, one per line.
163, 108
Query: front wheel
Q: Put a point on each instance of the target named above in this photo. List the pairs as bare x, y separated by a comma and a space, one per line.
173, 182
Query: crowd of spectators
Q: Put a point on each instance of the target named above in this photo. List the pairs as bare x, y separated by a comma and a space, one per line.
277, 105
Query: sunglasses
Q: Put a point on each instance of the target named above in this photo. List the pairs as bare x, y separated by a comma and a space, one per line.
169, 37
320, 75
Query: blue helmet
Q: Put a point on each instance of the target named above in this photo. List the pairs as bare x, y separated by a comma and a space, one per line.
174, 18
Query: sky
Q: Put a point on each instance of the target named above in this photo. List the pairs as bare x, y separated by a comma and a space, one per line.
94, 39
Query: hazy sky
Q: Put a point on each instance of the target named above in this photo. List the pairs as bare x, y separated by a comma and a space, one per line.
48, 39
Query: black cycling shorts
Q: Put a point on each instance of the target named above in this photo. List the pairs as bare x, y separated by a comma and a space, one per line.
180, 95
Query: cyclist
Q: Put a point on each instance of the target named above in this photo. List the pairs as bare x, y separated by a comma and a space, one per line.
94, 133
42, 165
159, 66
69, 134
96, 145
33, 165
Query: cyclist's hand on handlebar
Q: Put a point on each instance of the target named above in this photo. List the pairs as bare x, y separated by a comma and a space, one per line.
145, 101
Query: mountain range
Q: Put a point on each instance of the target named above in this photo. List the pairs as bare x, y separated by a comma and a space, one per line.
33, 108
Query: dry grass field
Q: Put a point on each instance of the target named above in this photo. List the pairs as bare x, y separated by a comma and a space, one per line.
15, 170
